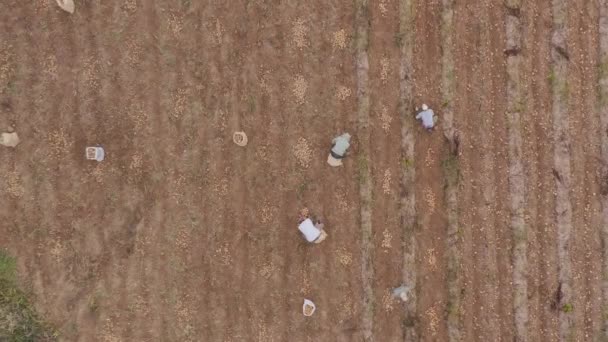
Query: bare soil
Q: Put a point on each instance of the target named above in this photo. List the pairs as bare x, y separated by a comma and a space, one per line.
181, 235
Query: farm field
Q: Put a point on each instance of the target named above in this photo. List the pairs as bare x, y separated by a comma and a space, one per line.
498, 218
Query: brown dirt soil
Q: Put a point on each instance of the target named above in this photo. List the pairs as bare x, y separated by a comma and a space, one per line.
430, 150
181, 235
385, 125
480, 73
537, 127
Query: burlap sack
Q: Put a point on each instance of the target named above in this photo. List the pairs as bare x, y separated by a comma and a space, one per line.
66, 5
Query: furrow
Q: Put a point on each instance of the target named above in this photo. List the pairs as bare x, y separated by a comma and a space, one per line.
561, 140
516, 171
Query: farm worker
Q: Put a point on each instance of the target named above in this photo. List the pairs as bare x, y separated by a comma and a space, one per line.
338, 149
313, 232
427, 116
401, 292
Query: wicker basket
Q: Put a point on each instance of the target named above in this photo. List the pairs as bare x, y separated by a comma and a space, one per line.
240, 138
94, 153
308, 309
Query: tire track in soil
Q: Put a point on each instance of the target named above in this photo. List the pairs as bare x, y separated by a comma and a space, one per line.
194, 310
385, 172
517, 181
603, 113
431, 226
159, 163
116, 130
218, 255
562, 162
362, 23
183, 111
537, 157
583, 40
91, 129
487, 243
204, 200
133, 100
177, 327
407, 201
222, 252
141, 103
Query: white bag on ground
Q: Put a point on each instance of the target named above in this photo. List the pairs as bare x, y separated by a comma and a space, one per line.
308, 308
9, 139
308, 229
66, 5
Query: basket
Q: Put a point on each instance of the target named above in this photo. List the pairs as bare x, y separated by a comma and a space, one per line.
239, 138
94, 153
308, 309
66, 5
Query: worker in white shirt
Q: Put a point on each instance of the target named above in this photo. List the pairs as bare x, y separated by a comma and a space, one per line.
313, 232
338, 149
402, 292
427, 116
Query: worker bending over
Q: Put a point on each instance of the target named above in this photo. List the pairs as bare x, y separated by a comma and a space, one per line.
427, 116
338, 149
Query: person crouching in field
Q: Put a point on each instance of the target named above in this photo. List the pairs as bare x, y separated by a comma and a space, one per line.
428, 117
338, 149
313, 232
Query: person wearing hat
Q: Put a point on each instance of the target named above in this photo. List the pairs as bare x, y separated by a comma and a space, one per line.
427, 116
338, 149
402, 292
313, 232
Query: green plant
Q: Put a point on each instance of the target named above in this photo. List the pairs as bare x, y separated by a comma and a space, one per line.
567, 308
251, 103
18, 321
520, 235
459, 232
453, 309
93, 303
398, 38
603, 68
451, 169
302, 188
407, 163
10, 86
551, 78
363, 168
7, 268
